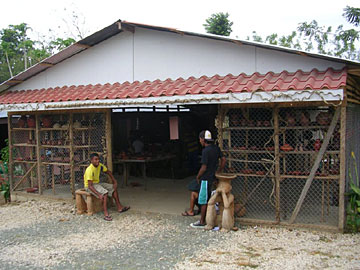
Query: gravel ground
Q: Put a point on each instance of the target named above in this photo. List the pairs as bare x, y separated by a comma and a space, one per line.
48, 235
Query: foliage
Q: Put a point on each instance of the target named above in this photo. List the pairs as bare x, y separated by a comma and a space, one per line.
353, 207
5, 152
352, 15
312, 37
5, 189
19, 52
218, 24
4, 184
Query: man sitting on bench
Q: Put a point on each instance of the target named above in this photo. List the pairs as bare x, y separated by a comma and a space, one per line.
102, 190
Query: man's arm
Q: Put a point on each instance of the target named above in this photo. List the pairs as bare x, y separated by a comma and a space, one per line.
201, 172
91, 187
109, 173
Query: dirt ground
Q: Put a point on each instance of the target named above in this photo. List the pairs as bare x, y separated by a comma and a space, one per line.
49, 235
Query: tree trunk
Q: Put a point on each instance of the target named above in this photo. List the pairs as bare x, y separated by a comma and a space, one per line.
8, 63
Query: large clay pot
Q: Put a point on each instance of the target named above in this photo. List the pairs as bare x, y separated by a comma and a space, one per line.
31, 121
47, 123
21, 122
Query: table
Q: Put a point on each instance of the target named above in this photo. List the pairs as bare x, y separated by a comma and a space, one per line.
143, 162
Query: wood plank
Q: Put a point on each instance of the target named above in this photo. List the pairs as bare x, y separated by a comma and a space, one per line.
277, 164
24, 176
38, 152
10, 165
316, 165
108, 132
72, 169
342, 168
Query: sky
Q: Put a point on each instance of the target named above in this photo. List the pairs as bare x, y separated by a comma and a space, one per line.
263, 16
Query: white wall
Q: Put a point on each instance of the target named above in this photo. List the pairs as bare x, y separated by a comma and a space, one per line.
108, 62
151, 55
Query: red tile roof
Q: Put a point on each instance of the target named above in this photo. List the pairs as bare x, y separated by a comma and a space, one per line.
284, 81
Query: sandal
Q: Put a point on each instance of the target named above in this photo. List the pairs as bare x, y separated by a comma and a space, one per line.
124, 209
187, 214
108, 218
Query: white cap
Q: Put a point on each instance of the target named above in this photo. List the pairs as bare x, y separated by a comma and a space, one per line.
207, 135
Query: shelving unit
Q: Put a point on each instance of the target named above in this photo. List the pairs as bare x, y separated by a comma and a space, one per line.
56, 153
282, 175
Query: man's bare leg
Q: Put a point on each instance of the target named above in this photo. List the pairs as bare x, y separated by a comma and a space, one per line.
117, 200
105, 198
203, 213
193, 197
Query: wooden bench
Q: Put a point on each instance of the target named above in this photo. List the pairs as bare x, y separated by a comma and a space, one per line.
92, 204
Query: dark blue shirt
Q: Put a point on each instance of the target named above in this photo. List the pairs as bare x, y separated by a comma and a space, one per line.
210, 157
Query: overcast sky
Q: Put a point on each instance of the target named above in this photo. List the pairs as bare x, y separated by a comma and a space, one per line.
263, 16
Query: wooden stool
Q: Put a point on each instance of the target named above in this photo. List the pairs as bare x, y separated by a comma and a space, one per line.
92, 204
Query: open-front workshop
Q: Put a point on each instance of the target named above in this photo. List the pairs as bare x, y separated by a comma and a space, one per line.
139, 95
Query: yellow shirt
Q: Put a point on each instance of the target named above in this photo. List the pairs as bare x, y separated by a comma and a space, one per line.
92, 173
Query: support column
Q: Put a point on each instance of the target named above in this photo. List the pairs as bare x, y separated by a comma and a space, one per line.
108, 132
342, 179
277, 163
72, 162
38, 152
10, 163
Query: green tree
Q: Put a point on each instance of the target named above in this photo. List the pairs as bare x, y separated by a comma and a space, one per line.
18, 52
352, 15
313, 37
218, 24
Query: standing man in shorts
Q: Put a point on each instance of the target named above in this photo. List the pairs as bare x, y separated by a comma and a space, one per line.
102, 190
211, 154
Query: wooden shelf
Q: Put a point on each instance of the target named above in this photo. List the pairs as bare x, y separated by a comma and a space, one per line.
250, 151
329, 177
308, 152
24, 161
54, 129
55, 146
248, 128
301, 127
84, 146
56, 163
24, 145
22, 129
253, 175
84, 128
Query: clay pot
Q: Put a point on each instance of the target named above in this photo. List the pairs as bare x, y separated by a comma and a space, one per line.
77, 124
31, 122
56, 125
317, 145
21, 122
323, 119
46, 121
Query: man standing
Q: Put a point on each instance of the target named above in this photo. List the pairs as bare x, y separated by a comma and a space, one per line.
102, 190
210, 157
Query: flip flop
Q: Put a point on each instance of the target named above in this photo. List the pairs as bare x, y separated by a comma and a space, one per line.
108, 218
124, 209
186, 214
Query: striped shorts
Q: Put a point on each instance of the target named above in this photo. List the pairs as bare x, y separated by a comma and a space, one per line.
204, 194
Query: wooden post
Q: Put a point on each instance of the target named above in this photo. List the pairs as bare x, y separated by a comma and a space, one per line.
108, 131
316, 165
342, 179
38, 152
72, 163
10, 163
277, 163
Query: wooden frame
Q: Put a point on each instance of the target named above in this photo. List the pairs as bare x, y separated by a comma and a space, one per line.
40, 149
279, 176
